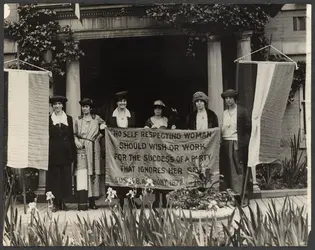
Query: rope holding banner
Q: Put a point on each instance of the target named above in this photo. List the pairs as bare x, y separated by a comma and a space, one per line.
32, 65
296, 66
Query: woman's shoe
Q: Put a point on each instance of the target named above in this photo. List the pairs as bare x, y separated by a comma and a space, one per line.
92, 204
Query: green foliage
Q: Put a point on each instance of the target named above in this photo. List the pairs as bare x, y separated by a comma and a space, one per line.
292, 173
203, 21
164, 227
36, 32
295, 168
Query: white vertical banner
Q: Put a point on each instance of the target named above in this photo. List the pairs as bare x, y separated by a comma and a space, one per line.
308, 82
28, 128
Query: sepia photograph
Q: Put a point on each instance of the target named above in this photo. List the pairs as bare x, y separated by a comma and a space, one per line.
175, 124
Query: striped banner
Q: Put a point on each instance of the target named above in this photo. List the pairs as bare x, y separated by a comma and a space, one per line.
271, 83
28, 109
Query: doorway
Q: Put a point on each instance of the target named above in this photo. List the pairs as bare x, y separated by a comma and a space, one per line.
149, 68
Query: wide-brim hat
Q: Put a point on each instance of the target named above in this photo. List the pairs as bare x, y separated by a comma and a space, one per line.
199, 95
159, 103
121, 95
86, 101
57, 98
230, 93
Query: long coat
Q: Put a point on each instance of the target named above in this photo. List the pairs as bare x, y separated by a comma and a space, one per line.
212, 120
62, 153
243, 133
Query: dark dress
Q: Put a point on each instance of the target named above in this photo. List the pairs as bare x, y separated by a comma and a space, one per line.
62, 153
212, 120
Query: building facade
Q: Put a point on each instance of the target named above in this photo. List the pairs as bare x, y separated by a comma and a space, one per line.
132, 52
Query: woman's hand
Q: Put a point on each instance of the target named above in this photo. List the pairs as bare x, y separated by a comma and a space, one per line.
103, 126
146, 127
78, 144
154, 126
173, 127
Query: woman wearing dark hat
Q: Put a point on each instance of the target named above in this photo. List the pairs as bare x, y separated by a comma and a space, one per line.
203, 118
62, 153
236, 129
122, 117
90, 177
158, 120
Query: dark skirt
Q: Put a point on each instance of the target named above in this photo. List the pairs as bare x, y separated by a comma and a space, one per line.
59, 181
231, 168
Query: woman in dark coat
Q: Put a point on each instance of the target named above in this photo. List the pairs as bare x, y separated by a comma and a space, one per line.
62, 153
202, 118
236, 130
122, 118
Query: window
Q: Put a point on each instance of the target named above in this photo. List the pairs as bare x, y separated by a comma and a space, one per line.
299, 23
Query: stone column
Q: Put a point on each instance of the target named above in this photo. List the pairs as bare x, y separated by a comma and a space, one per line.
73, 93
73, 89
244, 49
215, 78
42, 173
243, 45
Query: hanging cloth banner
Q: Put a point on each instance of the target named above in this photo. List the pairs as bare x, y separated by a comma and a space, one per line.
167, 157
271, 83
28, 110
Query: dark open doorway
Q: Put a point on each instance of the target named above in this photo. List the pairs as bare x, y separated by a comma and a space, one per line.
149, 68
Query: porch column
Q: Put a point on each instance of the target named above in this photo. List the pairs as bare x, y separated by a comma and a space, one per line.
73, 88
243, 45
244, 49
215, 81
42, 173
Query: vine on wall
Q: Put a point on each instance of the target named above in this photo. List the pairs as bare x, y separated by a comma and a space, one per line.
201, 21
36, 33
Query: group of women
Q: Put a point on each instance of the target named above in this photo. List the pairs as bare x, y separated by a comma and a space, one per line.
68, 141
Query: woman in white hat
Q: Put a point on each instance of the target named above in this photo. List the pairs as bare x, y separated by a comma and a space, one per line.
202, 118
87, 129
62, 153
158, 120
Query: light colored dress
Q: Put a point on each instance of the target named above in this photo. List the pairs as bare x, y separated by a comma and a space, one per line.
87, 132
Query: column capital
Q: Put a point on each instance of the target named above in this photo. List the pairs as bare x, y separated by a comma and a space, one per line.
244, 35
213, 38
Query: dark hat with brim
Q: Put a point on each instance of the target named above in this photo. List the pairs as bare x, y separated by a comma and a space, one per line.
58, 98
200, 96
229, 93
86, 101
159, 104
121, 95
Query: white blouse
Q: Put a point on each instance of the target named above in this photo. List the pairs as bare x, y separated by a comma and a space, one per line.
229, 126
121, 117
202, 120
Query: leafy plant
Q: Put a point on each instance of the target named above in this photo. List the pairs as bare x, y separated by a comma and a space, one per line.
294, 169
36, 33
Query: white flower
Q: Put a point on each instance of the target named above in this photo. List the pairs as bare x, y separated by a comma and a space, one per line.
32, 207
131, 193
109, 190
149, 183
213, 203
129, 181
49, 196
89, 231
103, 126
111, 194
